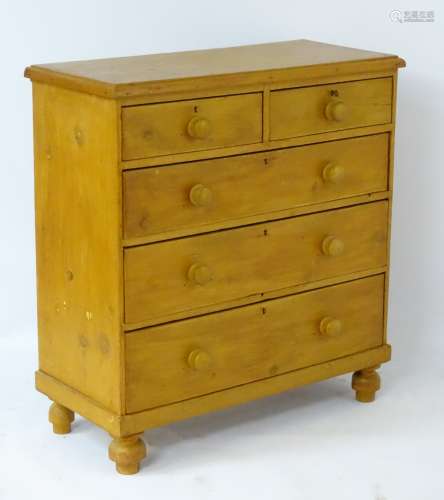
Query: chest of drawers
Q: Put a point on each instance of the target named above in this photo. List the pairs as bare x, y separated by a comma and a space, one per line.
212, 227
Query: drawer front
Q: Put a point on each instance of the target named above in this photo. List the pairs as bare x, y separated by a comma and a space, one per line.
194, 194
183, 126
186, 274
198, 356
323, 108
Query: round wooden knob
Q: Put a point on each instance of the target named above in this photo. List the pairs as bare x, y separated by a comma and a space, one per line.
199, 360
200, 274
335, 110
332, 246
333, 173
200, 196
199, 128
330, 326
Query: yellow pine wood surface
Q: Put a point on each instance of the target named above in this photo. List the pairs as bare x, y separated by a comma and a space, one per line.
158, 199
128, 424
250, 260
254, 390
166, 128
237, 201
156, 161
79, 264
252, 342
155, 74
302, 111
303, 209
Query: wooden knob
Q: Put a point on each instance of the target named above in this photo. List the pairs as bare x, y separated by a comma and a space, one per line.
332, 246
199, 128
200, 274
200, 196
199, 360
333, 173
335, 110
330, 326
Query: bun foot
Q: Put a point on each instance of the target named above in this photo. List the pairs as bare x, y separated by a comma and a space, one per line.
366, 382
127, 452
60, 418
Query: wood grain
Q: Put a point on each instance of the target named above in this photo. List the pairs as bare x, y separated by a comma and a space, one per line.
157, 161
250, 260
251, 343
182, 71
130, 424
298, 112
303, 209
391, 187
78, 402
77, 200
255, 298
157, 200
247, 392
250, 255
159, 129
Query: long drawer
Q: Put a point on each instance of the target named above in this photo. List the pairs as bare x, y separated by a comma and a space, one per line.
185, 274
324, 108
194, 194
191, 125
197, 356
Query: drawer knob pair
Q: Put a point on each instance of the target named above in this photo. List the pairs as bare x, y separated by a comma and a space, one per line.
199, 128
332, 246
200, 196
200, 274
330, 326
199, 360
333, 173
336, 110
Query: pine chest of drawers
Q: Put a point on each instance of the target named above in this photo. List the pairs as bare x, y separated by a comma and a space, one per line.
212, 227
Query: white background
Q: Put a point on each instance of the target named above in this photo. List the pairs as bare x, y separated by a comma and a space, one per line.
306, 444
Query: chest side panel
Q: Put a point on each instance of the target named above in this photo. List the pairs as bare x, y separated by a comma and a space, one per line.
77, 196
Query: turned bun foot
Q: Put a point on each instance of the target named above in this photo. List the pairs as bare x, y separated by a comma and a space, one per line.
127, 452
60, 418
366, 382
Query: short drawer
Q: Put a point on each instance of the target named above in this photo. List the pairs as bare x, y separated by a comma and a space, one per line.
324, 108
183, 275
183, 126
194, 194
198, 356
